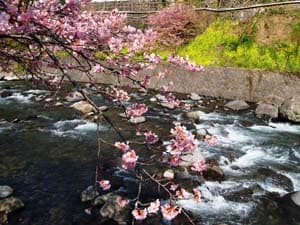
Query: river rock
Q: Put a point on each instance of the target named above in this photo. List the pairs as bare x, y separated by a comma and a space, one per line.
189, 159
290, 207
272, 178
137, 120
103, 108
195, 97
268, 110
167, 105
213, 173
11, 76
5, 191
237, 105
169, 174
10, 204
153, 99
74, 97
111, 209
5, 94
273, 100
59, 104
296, 198
201, 132
89, 194
83, 107
194, 115
48, 99
290, 109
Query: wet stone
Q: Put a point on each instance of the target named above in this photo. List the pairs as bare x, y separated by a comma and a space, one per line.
167, 105
169, 174
213, 173
89, 194
74, 97
83, 107
268, 110
5, 94
5, 191
195, 97
110, 209
103, 108
10, 204
201, 132
137, 120
194, 115
290, 109
275, 179
237, 105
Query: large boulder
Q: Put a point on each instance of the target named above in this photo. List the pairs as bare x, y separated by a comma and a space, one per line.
273, 100
289, 205
290, 109
267, 110
237, 105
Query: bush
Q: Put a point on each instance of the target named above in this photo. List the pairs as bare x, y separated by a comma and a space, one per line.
174, 25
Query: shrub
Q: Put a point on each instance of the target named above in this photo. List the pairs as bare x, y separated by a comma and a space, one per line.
175, 25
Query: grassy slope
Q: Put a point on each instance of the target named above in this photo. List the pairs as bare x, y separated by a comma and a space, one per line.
225, 43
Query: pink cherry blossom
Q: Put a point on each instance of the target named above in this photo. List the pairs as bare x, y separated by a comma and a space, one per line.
124, 147
211, 140
184, 141
115, 44
182, 193
151, 138
169, 212
174, 160
104, 184
199, 166
122, 202
174, 187
98, 68
197, 195
153, 58
129, 159
139, 214
154, 206
120, 95
136, 110
146, 81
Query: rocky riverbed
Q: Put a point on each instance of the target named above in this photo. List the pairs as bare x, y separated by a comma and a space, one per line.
48, 155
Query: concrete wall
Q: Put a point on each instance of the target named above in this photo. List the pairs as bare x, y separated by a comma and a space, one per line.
225, 82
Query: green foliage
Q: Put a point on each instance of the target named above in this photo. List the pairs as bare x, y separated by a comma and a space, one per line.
221, 45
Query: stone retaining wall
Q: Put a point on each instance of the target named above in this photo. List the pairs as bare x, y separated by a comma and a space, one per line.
225, 82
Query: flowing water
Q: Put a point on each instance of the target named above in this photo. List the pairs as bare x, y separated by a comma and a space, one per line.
48, 155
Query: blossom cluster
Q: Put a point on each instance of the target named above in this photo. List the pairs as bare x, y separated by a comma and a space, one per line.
185, 62
44, 28
129, 157
183, 142
136, 110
